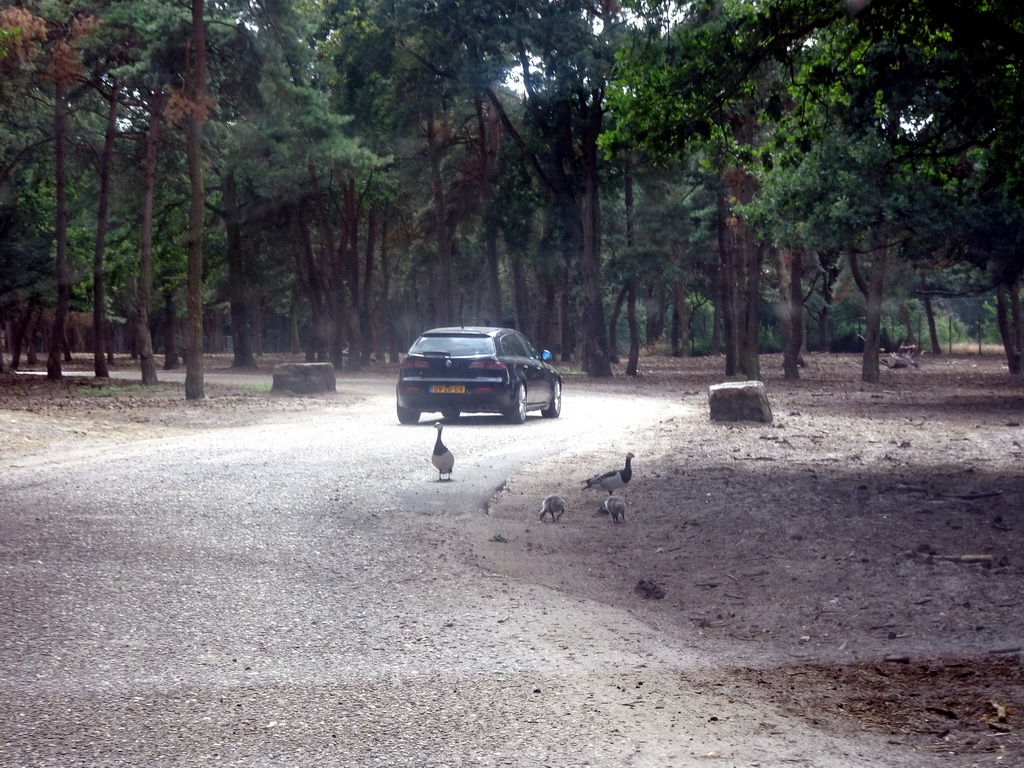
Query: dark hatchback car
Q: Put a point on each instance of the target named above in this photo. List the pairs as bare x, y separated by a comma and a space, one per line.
477, 370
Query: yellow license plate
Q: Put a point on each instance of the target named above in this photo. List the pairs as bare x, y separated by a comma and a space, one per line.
448, 389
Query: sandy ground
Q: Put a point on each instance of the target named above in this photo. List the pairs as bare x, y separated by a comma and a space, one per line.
829, 544
858, 562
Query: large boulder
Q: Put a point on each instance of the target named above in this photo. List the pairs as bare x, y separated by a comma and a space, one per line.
740, 401
304, 378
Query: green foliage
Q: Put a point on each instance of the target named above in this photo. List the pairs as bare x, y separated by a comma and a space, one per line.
517, 202
902, 117
26, 242
8, 37
852, 102
702, 320
673, 226
683, 73
115, 391
769, 338
25, 274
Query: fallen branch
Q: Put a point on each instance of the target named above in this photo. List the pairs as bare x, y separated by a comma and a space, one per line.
985, 560
971, 496
905, 488
911, 488
1001, 651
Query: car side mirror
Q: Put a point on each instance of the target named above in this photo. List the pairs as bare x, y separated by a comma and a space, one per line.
545, 355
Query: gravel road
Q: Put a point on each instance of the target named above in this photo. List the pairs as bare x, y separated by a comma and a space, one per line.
292, 594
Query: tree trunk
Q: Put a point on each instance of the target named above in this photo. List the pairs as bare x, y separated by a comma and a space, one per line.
613, 324
715, 342
909, 337
933, 331
520, 293
597, 360
680, 321
312, 284
144, 289
794, 317
60, 311
628, 292
681, 328
929, 314
385, 332
830, 269
565, 338
870, 371
751, 355
34, 345
110, 346
488, 142
747, 255
259, 318
241, 326
196, 89
655, 308
171, 354
326, 279
367, 309
494, 304
1017, 323
194, 384
548, 315
632, 364
24, 339
21, 325
727, 302
633, 359
352, 319
99, 309
213, 332
570, 180
1009, 321
294, 339
446, 290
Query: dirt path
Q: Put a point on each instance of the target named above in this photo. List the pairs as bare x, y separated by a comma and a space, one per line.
811, 613
815, 558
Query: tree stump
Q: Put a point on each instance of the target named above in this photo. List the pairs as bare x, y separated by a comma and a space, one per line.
740, 401
304, 378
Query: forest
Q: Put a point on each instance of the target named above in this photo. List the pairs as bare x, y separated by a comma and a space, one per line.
330, 177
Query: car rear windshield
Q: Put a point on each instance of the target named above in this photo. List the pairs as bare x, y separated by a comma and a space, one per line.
455, 346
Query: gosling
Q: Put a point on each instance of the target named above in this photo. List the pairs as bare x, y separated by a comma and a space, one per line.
616, 507
553, 505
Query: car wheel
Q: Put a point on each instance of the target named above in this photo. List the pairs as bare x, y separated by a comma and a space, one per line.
450, 415
554, 408
407, 415
517, 414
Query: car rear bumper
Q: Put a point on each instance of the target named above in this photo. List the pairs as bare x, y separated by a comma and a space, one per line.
478, 398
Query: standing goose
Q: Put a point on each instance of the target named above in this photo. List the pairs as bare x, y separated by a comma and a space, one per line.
612, 481
442, 458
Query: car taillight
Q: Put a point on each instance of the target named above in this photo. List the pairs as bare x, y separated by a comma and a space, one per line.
487, 365
410, 363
